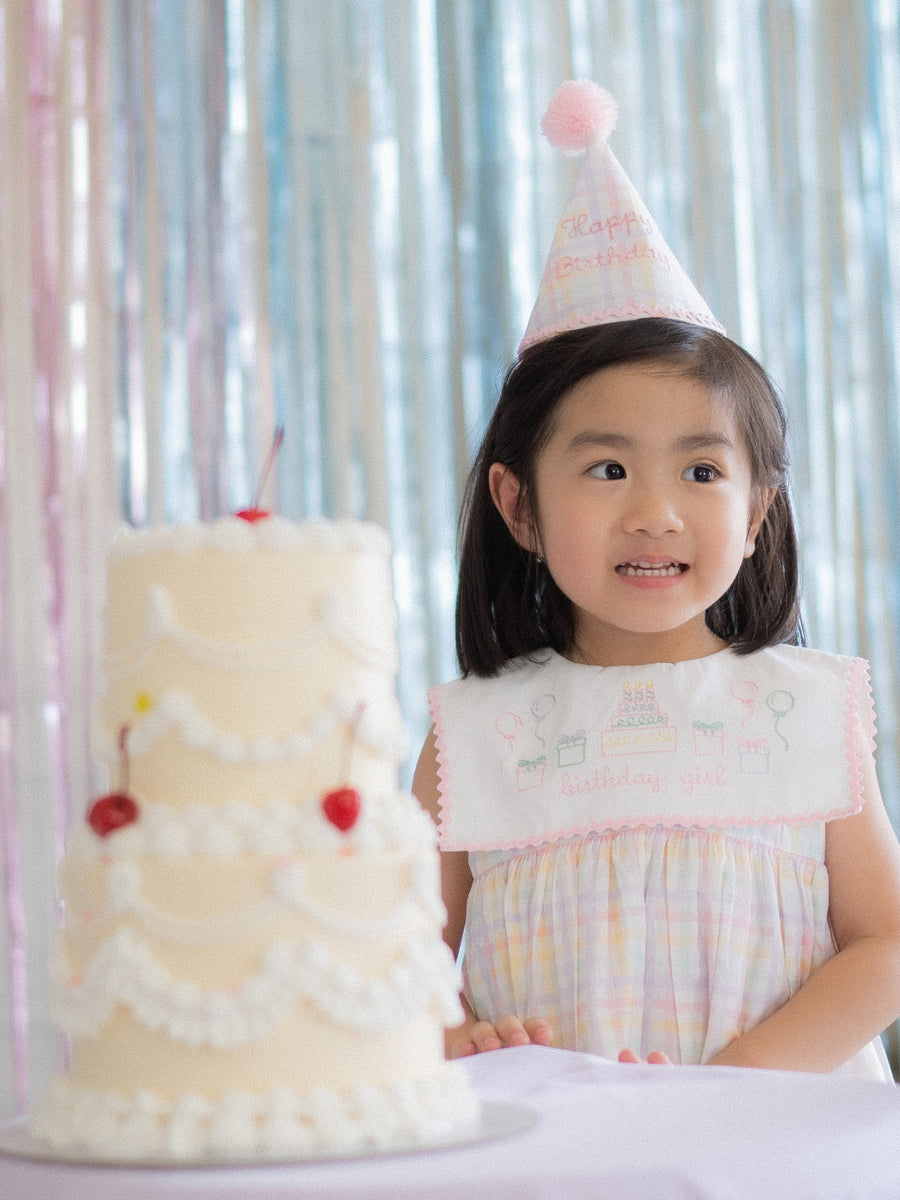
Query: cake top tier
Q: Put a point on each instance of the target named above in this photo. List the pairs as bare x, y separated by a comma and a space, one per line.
234, 535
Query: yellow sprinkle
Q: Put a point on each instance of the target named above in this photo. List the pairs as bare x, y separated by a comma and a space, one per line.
143, 702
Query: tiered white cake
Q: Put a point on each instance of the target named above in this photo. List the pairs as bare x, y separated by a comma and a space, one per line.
252, 962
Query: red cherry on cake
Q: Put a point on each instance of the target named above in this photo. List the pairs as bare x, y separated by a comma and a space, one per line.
341, 807
115, 810
112, 812
342, 804
254, 513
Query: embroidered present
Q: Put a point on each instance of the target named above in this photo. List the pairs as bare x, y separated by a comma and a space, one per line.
753, 756
570, 748
530, 773
709, 740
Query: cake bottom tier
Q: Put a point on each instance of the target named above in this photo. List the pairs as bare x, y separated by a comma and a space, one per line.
145, 1127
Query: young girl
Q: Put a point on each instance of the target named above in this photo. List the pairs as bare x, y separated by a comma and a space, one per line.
660, 823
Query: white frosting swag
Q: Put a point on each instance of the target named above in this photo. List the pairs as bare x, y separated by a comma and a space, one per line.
125, 972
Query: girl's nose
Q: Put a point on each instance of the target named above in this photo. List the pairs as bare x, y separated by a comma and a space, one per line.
653, 512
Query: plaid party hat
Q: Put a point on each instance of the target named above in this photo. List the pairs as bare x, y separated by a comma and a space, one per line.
608, 262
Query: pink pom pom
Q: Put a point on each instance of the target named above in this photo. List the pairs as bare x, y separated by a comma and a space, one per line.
580, 112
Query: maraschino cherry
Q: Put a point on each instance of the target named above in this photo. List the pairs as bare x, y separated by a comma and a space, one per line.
342, 805
254, 513
116, 809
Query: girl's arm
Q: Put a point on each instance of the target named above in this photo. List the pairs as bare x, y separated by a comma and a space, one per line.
472, 1036
853, 996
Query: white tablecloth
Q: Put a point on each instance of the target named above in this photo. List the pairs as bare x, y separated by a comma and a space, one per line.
604, 1130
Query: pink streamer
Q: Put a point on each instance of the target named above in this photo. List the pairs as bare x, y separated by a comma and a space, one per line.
13, 904
132, 300
56, 367
48, 129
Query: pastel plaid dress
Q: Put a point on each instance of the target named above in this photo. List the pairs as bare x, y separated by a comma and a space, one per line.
647, 844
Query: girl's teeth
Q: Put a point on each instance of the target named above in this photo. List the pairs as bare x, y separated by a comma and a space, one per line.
652, 572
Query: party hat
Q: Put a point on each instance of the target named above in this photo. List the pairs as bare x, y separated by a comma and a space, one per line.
608, 261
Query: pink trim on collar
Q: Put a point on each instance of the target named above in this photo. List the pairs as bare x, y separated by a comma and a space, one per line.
445, 812
856, 722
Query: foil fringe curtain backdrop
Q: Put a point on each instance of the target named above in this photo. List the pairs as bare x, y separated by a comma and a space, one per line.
218, 216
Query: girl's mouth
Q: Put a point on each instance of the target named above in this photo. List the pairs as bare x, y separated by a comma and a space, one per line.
648, 570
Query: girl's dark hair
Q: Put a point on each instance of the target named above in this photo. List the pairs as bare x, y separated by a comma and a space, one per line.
507, 604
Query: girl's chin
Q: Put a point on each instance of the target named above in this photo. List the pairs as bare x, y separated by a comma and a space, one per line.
636, 643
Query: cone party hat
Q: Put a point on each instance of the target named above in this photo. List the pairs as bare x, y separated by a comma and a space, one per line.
608, 261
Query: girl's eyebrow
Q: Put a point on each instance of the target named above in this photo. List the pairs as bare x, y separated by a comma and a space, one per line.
707, 439
700, 441
598, 437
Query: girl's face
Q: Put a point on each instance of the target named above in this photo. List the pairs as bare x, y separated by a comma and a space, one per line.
645, 511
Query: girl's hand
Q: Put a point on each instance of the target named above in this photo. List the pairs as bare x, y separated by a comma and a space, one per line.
655, 1058
481, 1036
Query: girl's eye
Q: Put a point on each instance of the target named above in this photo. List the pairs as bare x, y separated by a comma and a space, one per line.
607, 470
703, 473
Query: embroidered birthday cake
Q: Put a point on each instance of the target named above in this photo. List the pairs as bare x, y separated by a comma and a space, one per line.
638, 725
252, 963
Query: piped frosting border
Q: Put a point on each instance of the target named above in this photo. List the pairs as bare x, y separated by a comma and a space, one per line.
233, 535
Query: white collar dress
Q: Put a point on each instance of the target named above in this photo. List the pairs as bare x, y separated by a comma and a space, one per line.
647, 843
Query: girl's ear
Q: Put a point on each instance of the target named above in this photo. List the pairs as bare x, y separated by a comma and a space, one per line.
759, 515
506, 492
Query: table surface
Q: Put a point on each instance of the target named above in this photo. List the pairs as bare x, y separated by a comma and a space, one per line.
603, 1129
